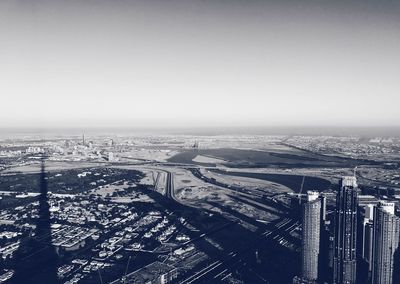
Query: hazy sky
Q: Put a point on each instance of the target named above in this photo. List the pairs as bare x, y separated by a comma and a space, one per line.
199, 63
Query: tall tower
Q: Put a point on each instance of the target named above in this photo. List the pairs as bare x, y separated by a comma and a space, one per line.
386, 242
344, 262
323, 208
324, 274
311, 236
367, 235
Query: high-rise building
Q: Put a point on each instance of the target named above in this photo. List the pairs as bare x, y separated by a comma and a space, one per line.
369, 211
324, 274
344, 262
364, 241
386, 242
323, 208
311, 236
367, 235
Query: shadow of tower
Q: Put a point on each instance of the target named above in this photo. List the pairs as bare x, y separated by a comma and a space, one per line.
36, 258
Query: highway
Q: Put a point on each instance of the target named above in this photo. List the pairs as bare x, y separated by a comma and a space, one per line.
169, 192
220, 268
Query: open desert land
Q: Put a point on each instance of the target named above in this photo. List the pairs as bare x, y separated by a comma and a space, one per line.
195, 192
147, 154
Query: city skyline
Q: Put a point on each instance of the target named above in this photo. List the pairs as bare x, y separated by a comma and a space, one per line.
199, 142
199, 209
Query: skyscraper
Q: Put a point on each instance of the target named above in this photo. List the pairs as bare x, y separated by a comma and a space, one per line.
367, 236
311, 236
344, 263
323, 208
386, 242
324, 274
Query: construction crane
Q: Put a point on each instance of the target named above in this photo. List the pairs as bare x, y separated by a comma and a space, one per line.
301, 188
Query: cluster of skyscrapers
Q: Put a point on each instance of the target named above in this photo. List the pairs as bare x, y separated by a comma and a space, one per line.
359, 243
